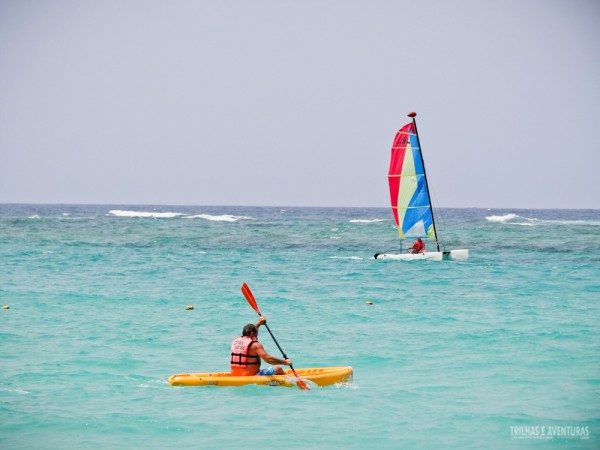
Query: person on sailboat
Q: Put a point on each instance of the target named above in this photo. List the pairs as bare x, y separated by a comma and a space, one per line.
418, 246
246, 353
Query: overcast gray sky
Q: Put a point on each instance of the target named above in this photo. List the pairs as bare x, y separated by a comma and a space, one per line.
296, 103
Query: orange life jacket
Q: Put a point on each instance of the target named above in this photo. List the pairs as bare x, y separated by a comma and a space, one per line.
239, 353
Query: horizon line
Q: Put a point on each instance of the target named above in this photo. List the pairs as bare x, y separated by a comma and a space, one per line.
283, 206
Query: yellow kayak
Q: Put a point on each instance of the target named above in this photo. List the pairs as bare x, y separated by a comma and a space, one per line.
321, 376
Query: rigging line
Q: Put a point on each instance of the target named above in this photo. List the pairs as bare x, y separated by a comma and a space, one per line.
444, 236
440, 215
435, 231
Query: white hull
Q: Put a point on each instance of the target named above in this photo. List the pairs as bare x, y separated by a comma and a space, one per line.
455, 255
432, 256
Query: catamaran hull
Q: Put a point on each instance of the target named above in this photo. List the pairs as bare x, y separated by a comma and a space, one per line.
455, 255
431, 256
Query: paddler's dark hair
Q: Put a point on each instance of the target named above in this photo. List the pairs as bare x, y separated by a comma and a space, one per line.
249, 329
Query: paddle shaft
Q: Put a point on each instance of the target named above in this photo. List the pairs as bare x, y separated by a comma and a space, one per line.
279, 347
252, 302
275, 340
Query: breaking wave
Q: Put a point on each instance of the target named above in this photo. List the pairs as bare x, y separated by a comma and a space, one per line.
219, 218
172, 215
145, 214
366, 220
515, 219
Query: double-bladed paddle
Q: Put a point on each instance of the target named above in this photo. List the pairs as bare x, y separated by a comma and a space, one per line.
252, 302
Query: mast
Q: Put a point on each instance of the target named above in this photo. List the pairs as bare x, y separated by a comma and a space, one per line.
412, 115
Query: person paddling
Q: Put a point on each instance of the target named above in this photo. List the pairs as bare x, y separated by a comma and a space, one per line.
246, 353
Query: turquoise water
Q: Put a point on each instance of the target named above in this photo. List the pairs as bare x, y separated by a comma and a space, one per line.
499, 351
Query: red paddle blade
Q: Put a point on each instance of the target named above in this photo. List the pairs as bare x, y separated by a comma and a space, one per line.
302, 385
250, 298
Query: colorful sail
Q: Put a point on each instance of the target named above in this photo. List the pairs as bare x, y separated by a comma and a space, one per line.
408, 186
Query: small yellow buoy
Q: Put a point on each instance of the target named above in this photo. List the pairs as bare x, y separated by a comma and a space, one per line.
6, 307
189, 307
369, 302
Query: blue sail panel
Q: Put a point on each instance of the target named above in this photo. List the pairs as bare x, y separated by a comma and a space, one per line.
417, 223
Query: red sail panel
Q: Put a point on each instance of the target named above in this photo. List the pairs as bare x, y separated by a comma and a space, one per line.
401, 140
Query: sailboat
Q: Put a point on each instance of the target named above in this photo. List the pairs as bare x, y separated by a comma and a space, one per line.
409, 195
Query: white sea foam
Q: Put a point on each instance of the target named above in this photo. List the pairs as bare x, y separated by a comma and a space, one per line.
574, 222
220, 218
355, 258
503, 219
524, 224
171, 215
20, 391
514, 219
144, 214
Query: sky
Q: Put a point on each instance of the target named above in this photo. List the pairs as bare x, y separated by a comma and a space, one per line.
296, 103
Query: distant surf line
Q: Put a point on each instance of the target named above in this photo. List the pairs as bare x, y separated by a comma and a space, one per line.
173, 215
515, 219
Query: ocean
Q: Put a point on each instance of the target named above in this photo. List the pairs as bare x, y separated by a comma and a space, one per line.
499, 351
